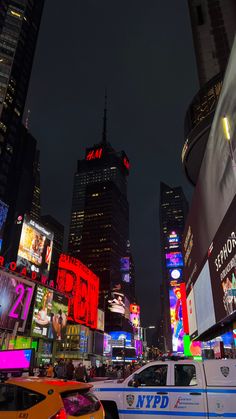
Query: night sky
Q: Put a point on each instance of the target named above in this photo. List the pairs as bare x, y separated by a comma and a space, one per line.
142, 52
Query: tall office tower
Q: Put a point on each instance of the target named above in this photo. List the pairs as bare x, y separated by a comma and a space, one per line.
213, 26
19, 25
173, 212
58, 240
25, 190
99, 226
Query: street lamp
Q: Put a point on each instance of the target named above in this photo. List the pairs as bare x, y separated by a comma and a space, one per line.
144, 336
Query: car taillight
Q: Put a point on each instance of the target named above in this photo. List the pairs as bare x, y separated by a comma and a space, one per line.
61, 414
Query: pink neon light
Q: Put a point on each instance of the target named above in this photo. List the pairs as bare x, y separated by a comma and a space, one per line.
19, 290
27, 303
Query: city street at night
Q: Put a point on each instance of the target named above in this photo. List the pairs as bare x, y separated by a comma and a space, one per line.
117, 209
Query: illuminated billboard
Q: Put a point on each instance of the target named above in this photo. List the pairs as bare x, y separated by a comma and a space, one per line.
135, 317
173, 240
81, 286
116, 302
35, 248
174, 259
125, 269
49, 314
3, 217
94, 153
176, 318
15, 299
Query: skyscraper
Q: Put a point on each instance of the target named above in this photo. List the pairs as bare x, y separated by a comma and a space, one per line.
99, 226
172, 212
213, 26
19, 25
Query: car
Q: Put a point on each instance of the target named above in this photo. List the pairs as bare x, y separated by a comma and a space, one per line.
47, 398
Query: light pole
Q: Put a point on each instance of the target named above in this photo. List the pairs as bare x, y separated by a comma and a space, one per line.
144, 336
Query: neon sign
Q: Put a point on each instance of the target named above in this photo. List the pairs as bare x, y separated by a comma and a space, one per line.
15, 299
126, 163
95, 153
81, 286
12, 266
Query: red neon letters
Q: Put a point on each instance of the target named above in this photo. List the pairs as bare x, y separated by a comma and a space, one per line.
81, 286
94, 154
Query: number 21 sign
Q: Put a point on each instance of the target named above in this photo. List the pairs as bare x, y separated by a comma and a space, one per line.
15, 297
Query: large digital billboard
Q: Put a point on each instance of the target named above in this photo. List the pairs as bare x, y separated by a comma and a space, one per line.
116, 302
125, 269
50, 313
35, 248
15, 299
81, 286
176, 318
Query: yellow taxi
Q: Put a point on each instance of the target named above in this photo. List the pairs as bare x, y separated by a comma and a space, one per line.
47, 398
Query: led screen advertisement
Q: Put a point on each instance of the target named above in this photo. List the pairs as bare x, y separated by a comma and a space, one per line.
125, 269
176, 318
35, 248
216, 185
135, 317
15, 298
222, 265
81, 286
116, 302
174, 259
49, 314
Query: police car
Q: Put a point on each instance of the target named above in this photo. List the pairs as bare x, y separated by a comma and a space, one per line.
170, 389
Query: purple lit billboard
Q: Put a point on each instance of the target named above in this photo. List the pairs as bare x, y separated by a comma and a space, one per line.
174, 259
176, 318
15, 298
20, 359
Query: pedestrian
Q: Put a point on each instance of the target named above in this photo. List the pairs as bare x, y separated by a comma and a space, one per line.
60, 369
70, 370
92, 373
81, 373
49, 371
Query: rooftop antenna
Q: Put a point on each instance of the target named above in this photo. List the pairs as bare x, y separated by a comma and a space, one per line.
104, 133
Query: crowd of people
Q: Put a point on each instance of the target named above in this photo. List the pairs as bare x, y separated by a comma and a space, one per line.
79, 372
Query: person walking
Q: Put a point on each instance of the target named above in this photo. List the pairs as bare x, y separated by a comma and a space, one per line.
81, 373
70, 370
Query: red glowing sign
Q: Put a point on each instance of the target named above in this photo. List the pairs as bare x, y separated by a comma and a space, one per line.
134, 309
126, 163
93, 154
81, 286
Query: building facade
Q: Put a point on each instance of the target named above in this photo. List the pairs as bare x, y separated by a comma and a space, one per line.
213, 25
173, 210
99, 225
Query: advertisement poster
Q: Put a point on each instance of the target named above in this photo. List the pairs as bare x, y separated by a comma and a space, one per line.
49, 314
174, 259
81, 286
35, 248
15, 298
125, 269
135, 317
176, 318
116, 302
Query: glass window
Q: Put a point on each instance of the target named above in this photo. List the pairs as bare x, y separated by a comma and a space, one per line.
156, 375
185, 375
13, 398
79, 403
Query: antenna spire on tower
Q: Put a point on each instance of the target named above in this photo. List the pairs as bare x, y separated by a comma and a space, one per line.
104, 133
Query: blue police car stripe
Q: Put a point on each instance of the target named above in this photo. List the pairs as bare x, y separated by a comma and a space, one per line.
175, 413
166, 389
